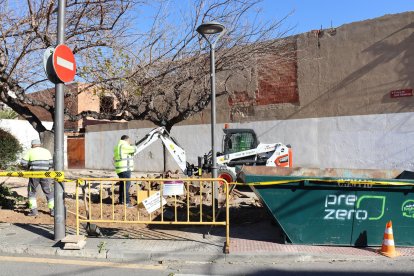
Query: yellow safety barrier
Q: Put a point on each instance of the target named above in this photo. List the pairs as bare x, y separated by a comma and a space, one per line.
57, 175
199, 209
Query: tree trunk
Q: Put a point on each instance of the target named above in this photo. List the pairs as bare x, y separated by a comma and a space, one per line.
47, 138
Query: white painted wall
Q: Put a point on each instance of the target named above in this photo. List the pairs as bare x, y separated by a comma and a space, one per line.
25, 133
383, 141
22, 130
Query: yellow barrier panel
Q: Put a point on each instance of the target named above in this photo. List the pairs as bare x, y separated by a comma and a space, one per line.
99, 206
58, 175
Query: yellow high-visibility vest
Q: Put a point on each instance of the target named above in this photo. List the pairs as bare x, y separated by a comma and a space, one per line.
37, 159
124, 157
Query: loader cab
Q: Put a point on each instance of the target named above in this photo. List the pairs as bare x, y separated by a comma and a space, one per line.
236, 140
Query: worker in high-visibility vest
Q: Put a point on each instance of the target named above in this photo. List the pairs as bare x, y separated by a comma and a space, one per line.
124, 164
38, 159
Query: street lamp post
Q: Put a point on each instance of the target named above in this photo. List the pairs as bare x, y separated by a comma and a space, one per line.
208, 29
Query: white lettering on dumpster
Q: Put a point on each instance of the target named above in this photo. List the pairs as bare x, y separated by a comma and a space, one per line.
343, 214
343, 201
340, 199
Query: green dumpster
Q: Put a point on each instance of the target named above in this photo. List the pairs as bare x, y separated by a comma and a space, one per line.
336, 206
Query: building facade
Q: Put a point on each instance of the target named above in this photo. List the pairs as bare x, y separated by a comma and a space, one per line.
78, 97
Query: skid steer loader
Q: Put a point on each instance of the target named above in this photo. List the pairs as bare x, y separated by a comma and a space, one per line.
240, 147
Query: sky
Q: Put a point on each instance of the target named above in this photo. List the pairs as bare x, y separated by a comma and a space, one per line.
311, 14
304, 15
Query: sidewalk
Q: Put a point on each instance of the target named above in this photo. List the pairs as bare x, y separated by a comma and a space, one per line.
183, 245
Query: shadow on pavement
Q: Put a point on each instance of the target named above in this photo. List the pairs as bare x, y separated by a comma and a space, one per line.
322, 273
252, 223
41, 230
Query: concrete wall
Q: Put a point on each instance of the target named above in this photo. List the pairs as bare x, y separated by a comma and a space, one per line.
99, 147
346, 71
25, 133
349, 70
355, 67
383, 141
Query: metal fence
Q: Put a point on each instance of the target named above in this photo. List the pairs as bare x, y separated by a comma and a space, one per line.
188, 201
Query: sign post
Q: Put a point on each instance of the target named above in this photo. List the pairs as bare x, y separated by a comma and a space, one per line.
60, 67
60, 214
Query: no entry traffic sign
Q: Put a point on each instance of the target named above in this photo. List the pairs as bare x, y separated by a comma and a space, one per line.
64, 63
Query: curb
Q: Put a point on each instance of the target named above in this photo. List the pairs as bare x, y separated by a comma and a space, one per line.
168, 256
27, 249
279, 257
51, 251
188, 257
118, 255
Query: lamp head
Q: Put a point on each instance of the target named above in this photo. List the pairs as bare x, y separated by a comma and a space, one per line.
209, 28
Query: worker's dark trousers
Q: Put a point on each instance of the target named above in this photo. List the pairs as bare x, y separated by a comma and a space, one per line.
45, 183
124, 187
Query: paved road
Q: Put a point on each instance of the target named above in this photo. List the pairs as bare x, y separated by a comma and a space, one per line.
24, 265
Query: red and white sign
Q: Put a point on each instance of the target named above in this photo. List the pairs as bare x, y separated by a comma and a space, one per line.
401, 93
64, 63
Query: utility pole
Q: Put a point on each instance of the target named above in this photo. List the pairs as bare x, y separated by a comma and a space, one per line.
60, 214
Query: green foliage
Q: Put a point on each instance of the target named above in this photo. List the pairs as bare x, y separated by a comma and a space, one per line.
101, 246
8, 114
116, 66
10, 148
9, 199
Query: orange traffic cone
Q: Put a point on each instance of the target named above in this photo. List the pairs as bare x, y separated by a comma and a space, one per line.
388, 246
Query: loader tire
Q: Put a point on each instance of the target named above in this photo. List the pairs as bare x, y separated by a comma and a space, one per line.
227, 175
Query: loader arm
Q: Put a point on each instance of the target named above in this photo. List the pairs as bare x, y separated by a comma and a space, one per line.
176, 151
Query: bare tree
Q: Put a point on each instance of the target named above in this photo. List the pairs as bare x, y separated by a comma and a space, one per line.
29, 27
164, 76
160, 73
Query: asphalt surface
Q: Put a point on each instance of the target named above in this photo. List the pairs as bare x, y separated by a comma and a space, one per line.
18, 265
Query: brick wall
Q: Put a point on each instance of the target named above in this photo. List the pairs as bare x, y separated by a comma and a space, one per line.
277, 81
276, 77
